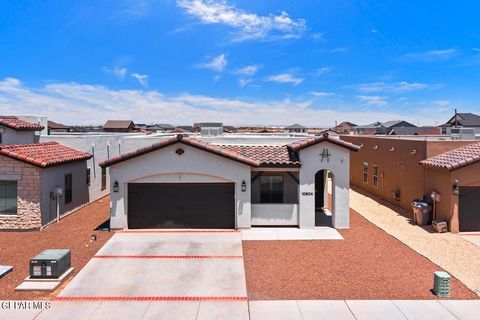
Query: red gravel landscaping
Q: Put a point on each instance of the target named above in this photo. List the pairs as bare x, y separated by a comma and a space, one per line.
72, 232
368, 264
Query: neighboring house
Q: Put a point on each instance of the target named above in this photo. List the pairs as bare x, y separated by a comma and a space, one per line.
381, 127
164, 127
181, 129
318, 132
345, 127
57, 127
119, 126
184, 182
414, 131
462, 120
211, 128
16, 131
31, 175
86, 129
295, 128
389, 167
455, 175
229, 129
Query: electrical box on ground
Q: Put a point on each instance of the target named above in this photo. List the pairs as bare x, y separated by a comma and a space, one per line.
50, 263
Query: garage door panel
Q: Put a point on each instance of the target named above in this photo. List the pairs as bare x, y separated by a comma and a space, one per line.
181, 205
469, 208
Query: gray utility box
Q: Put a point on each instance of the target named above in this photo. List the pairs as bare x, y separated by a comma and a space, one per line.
50, 263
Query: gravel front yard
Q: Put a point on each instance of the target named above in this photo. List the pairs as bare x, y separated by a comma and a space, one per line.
72, 232
368, 264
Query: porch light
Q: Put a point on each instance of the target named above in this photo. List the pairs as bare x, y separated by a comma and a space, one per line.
244, 186
455, 188
115, 186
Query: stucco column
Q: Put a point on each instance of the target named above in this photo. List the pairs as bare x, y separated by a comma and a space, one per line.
341, 203
306, 200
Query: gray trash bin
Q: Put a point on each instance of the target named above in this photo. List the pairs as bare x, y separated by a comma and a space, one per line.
422, 212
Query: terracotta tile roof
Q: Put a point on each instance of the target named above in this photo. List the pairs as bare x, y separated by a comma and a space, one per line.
455, 159
45, 154
267, 155
308, 142
196, 143
17, 124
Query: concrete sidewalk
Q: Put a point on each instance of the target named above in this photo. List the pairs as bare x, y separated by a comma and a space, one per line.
449, 251
255, 310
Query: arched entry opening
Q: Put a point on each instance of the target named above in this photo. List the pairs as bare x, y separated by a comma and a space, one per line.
324, 195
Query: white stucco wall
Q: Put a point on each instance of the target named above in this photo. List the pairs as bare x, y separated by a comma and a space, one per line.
274, 214
339, 164
165, 165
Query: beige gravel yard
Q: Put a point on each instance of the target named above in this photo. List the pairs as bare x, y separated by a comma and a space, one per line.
449, 251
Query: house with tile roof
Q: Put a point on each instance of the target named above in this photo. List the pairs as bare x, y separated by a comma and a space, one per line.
295, 128
399, 169
14, 130
199, 182
40, 182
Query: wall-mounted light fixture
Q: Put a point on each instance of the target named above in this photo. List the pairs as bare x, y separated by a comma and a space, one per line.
414, 151
244, 186
375, 147
455, 187
115, 186
392, 149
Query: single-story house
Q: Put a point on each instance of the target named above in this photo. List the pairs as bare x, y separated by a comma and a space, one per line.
57, 127
462, 120
455, 176
186, 182
119, 126
295, 128
14, 130
40, 182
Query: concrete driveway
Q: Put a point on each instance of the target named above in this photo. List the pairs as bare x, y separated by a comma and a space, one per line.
200, 274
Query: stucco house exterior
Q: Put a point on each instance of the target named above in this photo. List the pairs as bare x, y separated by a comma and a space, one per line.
187, 182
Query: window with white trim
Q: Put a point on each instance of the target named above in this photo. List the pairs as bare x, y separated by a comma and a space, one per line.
375, 176
365, 172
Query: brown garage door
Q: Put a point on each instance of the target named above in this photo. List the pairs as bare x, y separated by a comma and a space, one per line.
181, 205
469, 208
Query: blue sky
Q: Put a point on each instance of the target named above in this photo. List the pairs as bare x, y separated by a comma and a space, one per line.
241, 62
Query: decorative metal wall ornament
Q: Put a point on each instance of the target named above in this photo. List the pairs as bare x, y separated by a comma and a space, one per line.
325, 155
179, 151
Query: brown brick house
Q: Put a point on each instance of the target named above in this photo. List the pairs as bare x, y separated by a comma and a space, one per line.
30, 174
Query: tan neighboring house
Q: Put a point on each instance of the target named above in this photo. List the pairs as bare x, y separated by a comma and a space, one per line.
396, 169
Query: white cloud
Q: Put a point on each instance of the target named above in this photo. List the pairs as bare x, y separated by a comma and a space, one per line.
217, 64
141, 78
433, 55
442, 103
244, 82
321, 93
322, 70
285, 78
397, 87
119, 72
247, 25
318, 37
247, 70
74, 103
373, 100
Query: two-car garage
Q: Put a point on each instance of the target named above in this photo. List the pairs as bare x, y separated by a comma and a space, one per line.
181, 205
